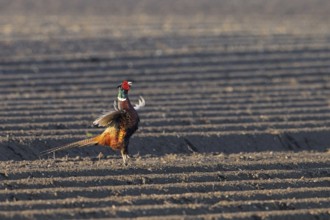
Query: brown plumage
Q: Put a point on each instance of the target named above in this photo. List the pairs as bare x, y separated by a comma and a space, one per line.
120, 125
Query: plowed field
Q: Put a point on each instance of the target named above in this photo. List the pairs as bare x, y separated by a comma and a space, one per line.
236, 123
209, 185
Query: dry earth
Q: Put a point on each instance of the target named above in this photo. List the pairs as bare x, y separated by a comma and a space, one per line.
247, 185
237, 119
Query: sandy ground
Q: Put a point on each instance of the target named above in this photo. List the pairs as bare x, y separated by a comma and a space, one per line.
236, 122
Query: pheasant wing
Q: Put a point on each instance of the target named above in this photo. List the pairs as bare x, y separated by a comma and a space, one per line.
141, 103
109, 118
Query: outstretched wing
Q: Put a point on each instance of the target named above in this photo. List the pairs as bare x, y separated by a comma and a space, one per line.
141, 103
108, 118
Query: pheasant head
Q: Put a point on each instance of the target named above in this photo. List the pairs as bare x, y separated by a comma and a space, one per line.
123, 89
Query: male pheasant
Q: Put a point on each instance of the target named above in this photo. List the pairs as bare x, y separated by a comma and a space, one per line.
121, 125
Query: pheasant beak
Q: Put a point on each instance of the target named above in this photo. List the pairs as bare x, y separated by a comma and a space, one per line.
130, 83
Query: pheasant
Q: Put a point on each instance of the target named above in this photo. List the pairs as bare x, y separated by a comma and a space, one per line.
120, 125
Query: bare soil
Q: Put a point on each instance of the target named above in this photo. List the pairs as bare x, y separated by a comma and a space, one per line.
236, 123
246, 185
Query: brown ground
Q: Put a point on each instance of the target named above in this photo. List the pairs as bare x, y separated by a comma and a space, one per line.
230, 186
237, 120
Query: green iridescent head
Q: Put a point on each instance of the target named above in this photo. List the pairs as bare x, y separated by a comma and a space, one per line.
123, 89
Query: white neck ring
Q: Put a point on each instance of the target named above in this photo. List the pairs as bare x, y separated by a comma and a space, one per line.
121, 99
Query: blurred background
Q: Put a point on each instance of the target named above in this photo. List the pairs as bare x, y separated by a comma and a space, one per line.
217, 76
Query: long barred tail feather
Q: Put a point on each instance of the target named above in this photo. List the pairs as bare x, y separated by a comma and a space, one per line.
82, 143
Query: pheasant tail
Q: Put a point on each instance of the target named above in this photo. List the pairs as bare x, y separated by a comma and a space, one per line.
81, 143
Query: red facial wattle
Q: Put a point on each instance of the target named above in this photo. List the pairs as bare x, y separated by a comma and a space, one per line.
125, 85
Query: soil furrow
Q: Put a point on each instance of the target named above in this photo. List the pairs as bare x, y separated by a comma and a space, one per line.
113, 64
147, 120
193, 126
275, 132
176, 209
103, 191
107, 102
210, 106
239, 197
95, 180
74, 111
179, 100
66, 167
302, 214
